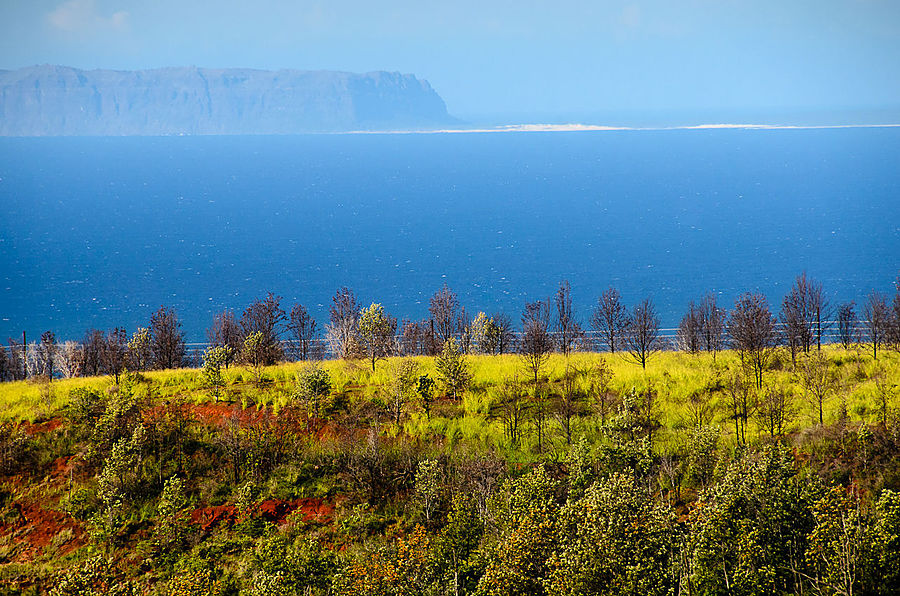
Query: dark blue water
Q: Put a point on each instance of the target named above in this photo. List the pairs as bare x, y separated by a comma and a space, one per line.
101, 232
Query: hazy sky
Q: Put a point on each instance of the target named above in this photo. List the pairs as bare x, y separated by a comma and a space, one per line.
498, 57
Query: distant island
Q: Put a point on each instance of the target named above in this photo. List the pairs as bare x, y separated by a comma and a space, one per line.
62, 101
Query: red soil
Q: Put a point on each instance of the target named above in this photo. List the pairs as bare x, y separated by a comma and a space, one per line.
36, 527
42, 427
275, 511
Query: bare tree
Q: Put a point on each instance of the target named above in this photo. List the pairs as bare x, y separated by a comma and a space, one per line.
739, 402
303, 329
609, 318
413, 338
93, 343
510, 406
795, 327
565, 324
818, 381
226, 333
753, 333
537, 343
6, 371
16, 358
115, 352
848, 323
804, 314
690, 330
774, 411
266, 317
444, 307
893, 334
505, 335
343, 330
712, 324
166, 339
876, 315
641, 336
71, 357
571, 399
46, 354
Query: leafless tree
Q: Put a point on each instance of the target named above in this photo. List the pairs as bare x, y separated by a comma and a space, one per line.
712, 324
464, 331
848, 322
641, 336
774, 411
93, 343
343, 330
16, 360
505, 336
753, 334
226, 333
795, 326
537, 343
6, 371
166, 339
115, 352
818, 381
266, 317
609, 318
690, 330
413, 338
876, 315
510, 406
893, 334
444, 307
565, 324
303, 329
71, 356
740, 402
571, 399
46, 355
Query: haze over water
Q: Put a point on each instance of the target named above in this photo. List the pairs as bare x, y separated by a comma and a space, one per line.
98, 232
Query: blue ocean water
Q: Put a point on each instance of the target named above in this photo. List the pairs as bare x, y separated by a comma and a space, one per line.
97, 232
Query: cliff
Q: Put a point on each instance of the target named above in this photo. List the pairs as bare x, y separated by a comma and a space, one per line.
63, 101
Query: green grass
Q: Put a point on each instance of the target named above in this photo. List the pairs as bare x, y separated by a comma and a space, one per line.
675, 376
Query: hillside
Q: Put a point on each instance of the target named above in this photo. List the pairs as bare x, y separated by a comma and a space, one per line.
332, 478
63, 101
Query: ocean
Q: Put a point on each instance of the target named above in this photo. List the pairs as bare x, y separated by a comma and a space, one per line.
100, 232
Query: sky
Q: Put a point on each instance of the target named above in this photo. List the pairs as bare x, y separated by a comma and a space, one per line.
511, 60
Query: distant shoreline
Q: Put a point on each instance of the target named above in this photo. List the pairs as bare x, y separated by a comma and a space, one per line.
598, 127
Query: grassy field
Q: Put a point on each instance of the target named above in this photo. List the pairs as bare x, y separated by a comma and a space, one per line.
677, 378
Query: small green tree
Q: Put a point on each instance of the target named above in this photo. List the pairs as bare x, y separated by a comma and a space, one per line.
404, 382
139, 356
313, 386
425, 391
428, 486
213, 360
254, 353
452, 369
376, 331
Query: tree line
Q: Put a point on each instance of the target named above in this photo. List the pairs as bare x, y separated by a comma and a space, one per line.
265, 333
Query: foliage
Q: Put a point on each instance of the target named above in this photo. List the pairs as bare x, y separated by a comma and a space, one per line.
452, 370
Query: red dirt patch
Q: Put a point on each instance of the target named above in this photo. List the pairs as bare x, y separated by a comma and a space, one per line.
36, 527
275, 511
62, 466
43, 427
208, 517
